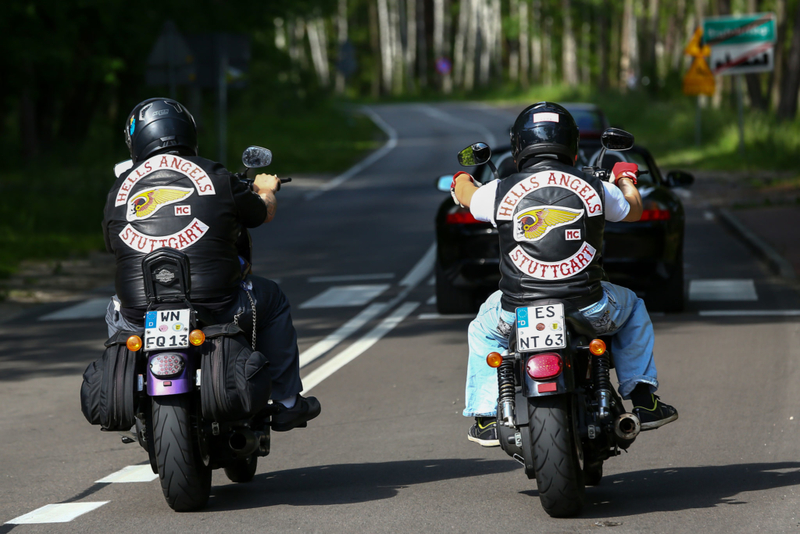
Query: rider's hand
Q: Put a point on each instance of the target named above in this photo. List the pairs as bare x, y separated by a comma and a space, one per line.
624, 170
465, 176
270, 182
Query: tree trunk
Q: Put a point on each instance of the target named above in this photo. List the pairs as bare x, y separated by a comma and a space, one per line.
536, 42
319, 54
585, 58
484, 20
787, 107
603, 47
470, 56
422, 48
569, 54
464, 8
377, 50
411, 43
524, 63
513, 46
387, 59
626, 71
652, 41
775, 78
547, 46
341, 39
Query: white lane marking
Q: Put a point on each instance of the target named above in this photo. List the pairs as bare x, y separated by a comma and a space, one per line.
421, 269
432, 281
709, 216
749, 313
56, 513
431, 301
88, 309
341, 296
364, 163
429, 316
445, 117
722, 290
131, 473
351, 278
358, 348
342, 333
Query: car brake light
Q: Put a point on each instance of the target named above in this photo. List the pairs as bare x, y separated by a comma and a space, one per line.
461, 216
655, 215
544, 366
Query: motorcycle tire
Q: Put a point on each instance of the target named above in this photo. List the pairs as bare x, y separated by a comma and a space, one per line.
185, 481
559, 476
242, 470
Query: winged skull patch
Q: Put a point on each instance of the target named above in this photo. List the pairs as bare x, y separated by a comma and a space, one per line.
535, 223
146, 203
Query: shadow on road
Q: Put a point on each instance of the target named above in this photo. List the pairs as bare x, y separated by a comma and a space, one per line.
684, 488
347, 483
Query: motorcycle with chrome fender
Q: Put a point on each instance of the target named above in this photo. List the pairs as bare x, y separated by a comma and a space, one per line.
558, 414
193, 393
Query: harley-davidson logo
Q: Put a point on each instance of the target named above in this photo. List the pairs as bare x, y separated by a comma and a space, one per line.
165, 276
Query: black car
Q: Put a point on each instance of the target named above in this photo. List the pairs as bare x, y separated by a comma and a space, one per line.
646, 256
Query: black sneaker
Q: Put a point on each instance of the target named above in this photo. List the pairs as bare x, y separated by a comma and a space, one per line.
659, 415
304, 410
484, 432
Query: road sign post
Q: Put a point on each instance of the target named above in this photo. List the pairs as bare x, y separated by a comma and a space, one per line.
741, 44
698, 80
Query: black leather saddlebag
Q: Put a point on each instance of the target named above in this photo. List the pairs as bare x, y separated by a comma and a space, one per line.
235, 382
108, 392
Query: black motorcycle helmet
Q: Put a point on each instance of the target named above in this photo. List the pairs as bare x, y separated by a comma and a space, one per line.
160, 123
544, 128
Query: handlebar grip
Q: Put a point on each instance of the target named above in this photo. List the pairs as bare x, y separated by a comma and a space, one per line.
286, 180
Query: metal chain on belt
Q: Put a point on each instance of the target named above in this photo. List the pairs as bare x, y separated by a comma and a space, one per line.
253, 308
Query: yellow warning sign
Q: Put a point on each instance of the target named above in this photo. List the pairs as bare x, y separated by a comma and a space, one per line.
698, 80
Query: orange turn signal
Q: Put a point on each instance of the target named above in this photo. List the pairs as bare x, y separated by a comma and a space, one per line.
197, 337
494, 359
134, 343
597, 347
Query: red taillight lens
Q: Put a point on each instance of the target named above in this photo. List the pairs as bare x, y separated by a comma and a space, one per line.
655, 215
544, 366
462, 216
167, 365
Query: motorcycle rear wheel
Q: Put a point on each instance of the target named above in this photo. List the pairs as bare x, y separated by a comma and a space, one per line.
242, 470
559, 475
185, 481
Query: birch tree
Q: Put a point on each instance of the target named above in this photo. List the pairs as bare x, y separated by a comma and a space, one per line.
569, 58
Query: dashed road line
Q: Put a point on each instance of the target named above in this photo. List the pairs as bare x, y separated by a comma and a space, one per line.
343, 296
722, 290
430, 316
56, 513
131, 473
88, 309
749, 313
340, 334
421, 269
351, 278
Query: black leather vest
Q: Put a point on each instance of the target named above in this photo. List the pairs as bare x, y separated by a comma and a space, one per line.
186, 203
550, 220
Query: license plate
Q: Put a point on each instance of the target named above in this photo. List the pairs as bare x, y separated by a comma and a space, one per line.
541, 328
167, 329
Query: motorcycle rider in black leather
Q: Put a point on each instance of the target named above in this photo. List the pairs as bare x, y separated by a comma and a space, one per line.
171, 197
550, 219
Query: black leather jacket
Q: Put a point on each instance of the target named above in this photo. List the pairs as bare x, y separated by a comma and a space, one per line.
184, 202
550, 220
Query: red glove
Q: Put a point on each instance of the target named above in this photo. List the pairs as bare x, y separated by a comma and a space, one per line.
453, 185
624, 170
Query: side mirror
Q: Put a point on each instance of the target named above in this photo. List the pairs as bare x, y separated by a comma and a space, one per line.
254, 157
475, 154
443, 183
679, 179
616, 139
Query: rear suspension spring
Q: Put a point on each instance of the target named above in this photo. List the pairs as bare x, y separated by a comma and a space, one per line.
506, 393
601, 367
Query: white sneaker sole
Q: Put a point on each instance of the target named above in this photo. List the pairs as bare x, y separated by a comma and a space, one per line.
484, 442
656, 424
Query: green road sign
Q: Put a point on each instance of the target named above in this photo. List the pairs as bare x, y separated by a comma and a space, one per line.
739, 29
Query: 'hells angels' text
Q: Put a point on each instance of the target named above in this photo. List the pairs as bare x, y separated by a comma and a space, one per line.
197, 175
179, 240
590, 198
553, 271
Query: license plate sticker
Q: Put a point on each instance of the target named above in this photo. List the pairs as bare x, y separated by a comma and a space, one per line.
541, 328
167, 329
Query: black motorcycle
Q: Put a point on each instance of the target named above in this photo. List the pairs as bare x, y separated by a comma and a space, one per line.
193, 393
558, 414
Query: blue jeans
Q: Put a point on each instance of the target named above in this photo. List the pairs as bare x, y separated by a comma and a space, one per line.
620, 312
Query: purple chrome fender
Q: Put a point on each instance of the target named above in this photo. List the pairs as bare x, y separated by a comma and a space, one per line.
183, 383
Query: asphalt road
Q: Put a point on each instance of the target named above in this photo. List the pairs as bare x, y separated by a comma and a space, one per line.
389, 452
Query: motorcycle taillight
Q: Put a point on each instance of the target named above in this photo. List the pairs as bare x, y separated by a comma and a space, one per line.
167, 364
544, 366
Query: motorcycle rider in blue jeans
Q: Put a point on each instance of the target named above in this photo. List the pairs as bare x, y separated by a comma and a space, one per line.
170, 197
544, 139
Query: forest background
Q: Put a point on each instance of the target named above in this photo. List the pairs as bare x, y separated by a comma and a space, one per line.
73, 69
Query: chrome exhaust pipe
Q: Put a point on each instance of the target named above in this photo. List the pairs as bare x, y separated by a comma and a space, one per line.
626, 428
